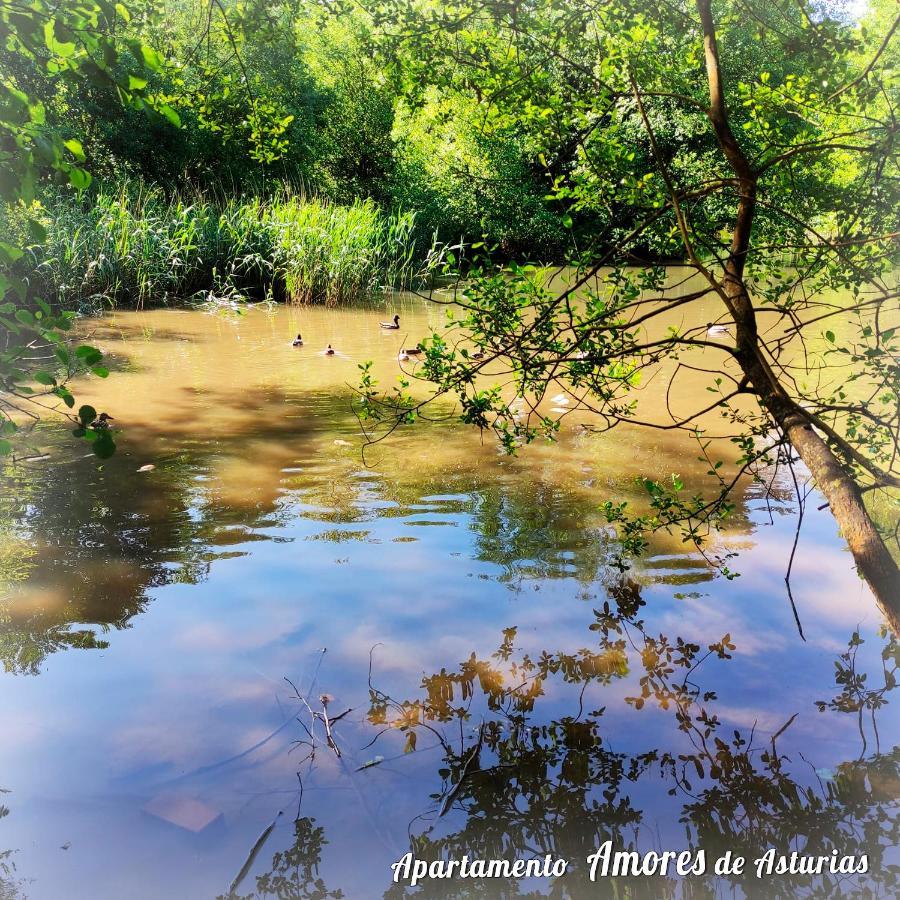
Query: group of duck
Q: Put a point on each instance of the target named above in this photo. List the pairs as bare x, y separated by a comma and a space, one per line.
394, 325
408, 352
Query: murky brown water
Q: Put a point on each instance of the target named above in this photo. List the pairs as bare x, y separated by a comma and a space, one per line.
435, 588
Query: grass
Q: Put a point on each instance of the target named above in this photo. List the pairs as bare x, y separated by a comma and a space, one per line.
135, 247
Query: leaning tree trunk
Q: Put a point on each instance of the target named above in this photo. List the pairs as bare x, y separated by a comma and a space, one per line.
872, 558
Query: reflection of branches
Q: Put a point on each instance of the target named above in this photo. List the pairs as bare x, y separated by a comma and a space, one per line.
557, 787
294, 872
856, 697
315, 716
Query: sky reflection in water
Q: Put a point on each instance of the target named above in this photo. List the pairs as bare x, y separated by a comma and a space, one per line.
149, 621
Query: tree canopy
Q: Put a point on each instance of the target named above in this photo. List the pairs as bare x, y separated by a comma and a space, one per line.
756, 144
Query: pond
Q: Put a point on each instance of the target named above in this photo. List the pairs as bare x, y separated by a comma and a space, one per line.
425, 648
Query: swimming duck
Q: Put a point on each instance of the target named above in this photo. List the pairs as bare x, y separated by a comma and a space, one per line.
101, 422
403, 356
329, 350
715, 329
412, 351
478, 354
393, 325
297, 341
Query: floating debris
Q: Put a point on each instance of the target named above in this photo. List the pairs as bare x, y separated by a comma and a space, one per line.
182, 811
377, 761
148, 468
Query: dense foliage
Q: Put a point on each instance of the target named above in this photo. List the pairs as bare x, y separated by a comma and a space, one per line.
137, 247
754, 142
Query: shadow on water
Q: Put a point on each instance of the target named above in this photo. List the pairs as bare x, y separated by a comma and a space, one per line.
86, 546
516, 783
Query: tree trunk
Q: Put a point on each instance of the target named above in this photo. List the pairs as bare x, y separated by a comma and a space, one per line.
872, 558
871, 555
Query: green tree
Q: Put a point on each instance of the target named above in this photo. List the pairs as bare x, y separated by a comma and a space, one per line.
45, 47
756, 143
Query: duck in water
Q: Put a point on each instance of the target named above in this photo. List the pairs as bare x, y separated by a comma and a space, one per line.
297, 341
329, 350
394, 324
101, 423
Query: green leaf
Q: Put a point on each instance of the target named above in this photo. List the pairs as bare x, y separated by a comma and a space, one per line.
65, 395
5, 448
37, 231
44, 378
100, 371
86, 414
78, 178
75, 148
168, 113
90, 356
829, 336
152, 59
9, 254
57, 38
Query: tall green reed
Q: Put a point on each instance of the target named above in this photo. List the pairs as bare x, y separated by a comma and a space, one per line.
134, 246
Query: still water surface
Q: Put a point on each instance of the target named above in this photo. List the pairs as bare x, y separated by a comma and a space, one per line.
459, 603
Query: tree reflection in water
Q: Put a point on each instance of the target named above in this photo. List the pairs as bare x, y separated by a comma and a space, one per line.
10, 882
524, 787
294, 874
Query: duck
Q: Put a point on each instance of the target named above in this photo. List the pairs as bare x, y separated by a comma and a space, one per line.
101, 423
393, 325
716, 329
297, 341
478, 354
403, 356
329, 350
560, 400
412, 351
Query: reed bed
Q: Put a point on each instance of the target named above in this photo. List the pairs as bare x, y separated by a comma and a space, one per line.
136, 247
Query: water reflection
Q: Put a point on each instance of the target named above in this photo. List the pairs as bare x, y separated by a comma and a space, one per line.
514, 784
88, 547
294, 873
10, 881
260, 536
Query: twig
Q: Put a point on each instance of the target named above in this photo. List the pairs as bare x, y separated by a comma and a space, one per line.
254, 851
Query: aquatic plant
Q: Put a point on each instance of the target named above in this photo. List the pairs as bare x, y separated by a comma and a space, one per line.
134, 246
